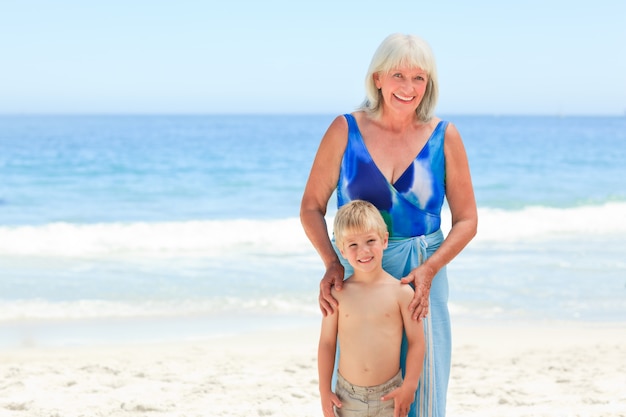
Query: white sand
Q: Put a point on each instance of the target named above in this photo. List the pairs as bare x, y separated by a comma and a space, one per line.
558, 369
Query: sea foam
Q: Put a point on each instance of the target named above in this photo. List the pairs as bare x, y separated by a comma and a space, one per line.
214, 238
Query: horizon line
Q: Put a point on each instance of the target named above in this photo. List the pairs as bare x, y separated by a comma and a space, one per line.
174, 114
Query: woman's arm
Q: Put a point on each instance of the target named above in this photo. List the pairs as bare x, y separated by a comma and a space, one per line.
320, 186
460, 196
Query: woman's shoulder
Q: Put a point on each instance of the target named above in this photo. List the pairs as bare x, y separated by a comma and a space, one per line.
360, 116
450, 128
436, 121
452, 133
337, 131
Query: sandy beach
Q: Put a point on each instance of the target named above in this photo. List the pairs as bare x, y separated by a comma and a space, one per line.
510, 369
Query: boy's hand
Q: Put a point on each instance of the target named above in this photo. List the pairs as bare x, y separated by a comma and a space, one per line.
402, 400
329, 402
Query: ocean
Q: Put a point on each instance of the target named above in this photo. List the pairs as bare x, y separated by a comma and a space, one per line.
163, 228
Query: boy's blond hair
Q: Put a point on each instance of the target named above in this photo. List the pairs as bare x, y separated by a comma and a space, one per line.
358, 216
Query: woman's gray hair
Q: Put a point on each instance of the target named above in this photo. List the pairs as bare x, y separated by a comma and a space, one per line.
400, 50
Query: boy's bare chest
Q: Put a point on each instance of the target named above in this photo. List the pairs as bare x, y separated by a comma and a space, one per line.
370, 308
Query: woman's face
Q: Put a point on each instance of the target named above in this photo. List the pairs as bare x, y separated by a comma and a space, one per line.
402, 88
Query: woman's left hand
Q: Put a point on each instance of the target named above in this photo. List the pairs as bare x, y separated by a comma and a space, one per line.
421, 277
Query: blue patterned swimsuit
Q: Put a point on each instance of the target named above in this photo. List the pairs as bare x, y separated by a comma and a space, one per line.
412, 205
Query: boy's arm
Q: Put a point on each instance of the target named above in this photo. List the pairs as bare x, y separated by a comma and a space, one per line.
404, 396
417, 346
326, 363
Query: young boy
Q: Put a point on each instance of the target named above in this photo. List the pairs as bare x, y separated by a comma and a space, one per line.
369, 322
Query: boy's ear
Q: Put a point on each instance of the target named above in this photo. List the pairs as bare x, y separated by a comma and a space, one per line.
385, 240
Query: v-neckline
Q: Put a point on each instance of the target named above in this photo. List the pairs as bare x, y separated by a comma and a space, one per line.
393, 184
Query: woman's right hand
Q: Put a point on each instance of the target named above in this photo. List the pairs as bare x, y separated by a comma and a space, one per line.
332, 278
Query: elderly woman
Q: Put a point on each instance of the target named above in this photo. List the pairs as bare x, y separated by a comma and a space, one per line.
393, 152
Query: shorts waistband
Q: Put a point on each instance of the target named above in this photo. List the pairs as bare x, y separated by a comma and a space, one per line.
381, 389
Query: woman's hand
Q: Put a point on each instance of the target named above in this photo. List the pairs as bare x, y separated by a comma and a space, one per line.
421, 277
332, 278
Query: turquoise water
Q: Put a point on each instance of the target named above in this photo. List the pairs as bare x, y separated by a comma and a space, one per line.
182, 221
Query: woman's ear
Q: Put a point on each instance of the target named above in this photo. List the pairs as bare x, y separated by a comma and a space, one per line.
376, 77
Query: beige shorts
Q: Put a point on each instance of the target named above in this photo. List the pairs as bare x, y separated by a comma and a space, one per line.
357, 401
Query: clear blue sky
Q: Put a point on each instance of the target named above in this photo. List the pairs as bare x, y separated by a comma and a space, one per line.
292, 56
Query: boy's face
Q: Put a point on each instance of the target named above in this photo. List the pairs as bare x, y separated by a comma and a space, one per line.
364, 251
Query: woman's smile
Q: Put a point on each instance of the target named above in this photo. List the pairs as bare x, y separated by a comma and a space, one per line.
406, 99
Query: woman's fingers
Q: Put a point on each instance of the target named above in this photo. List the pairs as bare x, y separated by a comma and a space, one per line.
328, 303
418, 307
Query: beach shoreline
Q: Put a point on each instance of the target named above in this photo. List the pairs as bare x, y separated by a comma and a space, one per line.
498, 369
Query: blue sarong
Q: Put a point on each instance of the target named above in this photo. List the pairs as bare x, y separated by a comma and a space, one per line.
400, 258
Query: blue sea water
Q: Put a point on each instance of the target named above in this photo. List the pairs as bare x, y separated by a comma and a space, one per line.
130, 228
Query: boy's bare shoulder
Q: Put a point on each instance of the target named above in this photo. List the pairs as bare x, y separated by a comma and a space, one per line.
402, 291
405, 291
346, 286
